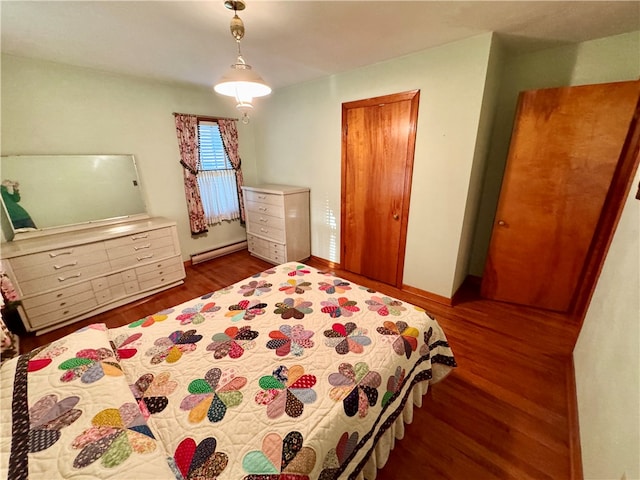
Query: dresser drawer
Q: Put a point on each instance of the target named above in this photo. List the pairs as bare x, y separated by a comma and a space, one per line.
57, 296
61, 305
258, 219
60, 265
160, 273
257, 245
166, 264
60, 256
138, 238
62, 279
136, 249
264, 197
268, 233
41, 321
265, 209
271, 251
143, 257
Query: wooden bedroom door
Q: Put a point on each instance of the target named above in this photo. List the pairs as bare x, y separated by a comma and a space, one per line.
564, 151
378, 140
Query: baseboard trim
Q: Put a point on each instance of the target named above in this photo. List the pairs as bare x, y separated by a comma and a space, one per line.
405, 288
427, 295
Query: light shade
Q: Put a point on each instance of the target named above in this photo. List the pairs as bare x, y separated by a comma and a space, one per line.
241, 82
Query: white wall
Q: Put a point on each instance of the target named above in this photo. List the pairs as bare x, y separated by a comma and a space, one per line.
607, 359
48, 108
300, 144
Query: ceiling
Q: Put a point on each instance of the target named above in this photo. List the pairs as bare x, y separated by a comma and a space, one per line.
287, 42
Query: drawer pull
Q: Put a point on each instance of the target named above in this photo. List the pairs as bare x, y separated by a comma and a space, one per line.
62, 304
264, 230
142, 247
62, 279
262, 209
144, 257
72, 264
65, 252
262, 196
59, 295
264, 220
140, 237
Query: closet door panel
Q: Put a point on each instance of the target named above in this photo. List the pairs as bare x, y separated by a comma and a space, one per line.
564, 151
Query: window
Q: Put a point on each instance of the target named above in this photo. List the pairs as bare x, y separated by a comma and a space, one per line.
216, 176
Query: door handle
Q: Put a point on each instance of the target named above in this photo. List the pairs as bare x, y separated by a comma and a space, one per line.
396, 216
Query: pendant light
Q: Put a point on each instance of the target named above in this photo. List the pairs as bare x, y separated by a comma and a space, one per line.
241, 81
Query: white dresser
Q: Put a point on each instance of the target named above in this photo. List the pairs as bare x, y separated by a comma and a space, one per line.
278, 222
66, 277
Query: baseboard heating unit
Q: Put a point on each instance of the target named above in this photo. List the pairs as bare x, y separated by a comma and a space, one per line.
217, 252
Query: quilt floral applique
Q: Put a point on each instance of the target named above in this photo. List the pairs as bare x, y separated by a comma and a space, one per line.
403, 337
217, 293
339, 307
394, 385
43, 356
233, 341
90, 365
264, 273
246, 309
286, 390
290, 339
356, 386
294, 286
298, 270
47, 417
199, 461
152, 319
115, 434
336, 457
255, 287
124, 345
293, 308
336, 286
151, 392
385, 306
172, 348
213, 395
345, 338
424, 349
197, 313
280, 458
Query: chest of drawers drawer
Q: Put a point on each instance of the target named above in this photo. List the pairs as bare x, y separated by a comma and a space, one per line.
265, 209
264, 198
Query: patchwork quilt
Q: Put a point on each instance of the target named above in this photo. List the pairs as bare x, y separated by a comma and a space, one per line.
291, 374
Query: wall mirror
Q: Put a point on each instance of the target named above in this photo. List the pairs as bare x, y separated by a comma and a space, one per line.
42, 194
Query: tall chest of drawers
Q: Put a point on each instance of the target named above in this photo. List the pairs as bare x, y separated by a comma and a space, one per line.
66, 277
278, 222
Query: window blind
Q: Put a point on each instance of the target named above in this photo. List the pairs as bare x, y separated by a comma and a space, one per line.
212, 154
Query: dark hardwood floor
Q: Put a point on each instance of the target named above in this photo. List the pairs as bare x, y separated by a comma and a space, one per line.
506, 412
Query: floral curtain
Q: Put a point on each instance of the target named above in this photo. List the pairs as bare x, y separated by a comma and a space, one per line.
229, 134
186, 126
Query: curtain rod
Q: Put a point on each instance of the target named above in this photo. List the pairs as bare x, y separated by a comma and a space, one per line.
207, 118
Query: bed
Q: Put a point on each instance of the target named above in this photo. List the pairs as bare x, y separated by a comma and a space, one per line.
290, 374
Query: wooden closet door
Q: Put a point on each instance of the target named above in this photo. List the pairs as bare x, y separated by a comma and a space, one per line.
377, 162
564, 151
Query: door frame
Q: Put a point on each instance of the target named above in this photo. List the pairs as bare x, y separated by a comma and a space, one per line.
615, 200
414, 97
